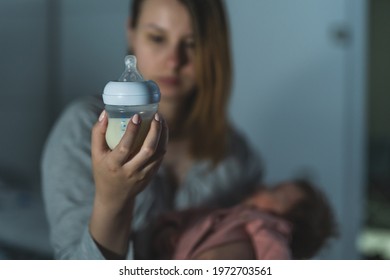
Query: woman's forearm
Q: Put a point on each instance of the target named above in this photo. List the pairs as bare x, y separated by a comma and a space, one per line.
110, 227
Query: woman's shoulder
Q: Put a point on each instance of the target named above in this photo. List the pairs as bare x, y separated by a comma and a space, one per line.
84, 105
236, 136
76, 119
239, 145
82, 111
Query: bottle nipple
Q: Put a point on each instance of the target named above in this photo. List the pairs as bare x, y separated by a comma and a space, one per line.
131, 73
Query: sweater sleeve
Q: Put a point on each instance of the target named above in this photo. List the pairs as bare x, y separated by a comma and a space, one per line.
67, 180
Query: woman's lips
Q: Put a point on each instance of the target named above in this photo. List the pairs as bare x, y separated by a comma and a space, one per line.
169, 81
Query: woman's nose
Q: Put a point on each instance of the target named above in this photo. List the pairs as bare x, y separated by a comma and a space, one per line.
176, 57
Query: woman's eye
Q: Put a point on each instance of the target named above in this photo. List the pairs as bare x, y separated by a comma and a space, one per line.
156, 39
190, 44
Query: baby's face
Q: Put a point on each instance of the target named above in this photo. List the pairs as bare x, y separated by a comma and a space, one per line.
279, 199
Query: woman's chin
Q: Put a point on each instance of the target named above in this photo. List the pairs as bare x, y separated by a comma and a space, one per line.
170, 95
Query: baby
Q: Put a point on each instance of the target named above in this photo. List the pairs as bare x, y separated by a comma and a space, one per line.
292, 220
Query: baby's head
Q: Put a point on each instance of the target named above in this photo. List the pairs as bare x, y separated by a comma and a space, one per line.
306, 208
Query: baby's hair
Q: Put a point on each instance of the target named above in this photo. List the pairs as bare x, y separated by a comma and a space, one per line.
313, 221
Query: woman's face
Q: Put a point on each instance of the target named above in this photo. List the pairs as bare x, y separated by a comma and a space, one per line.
163, 43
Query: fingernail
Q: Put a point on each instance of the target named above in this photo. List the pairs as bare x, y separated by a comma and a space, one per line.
157, 117
135, 119
101, 117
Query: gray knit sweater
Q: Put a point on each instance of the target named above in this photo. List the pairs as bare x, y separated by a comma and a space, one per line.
68, 185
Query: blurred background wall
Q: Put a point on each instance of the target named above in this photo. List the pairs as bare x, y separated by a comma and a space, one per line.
300, 94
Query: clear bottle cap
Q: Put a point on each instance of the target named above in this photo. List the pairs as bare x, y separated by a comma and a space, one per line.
131, 88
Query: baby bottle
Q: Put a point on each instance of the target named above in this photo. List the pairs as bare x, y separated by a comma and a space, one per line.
128, 96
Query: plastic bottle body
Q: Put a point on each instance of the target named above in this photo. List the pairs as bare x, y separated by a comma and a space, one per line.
120, 115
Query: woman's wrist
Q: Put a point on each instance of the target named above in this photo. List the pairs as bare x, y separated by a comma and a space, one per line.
114, 207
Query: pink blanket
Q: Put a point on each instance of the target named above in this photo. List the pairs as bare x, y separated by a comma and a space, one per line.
268, 235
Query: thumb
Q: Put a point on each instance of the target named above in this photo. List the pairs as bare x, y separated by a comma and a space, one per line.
98, 143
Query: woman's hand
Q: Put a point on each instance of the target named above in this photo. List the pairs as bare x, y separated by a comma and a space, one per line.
119, 176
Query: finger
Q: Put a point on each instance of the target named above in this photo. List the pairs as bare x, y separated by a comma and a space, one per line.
122, 151
146, 174
98, 142
153, 166
149, 146
163, 141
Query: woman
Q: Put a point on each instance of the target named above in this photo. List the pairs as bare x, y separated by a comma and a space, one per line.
103, 210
